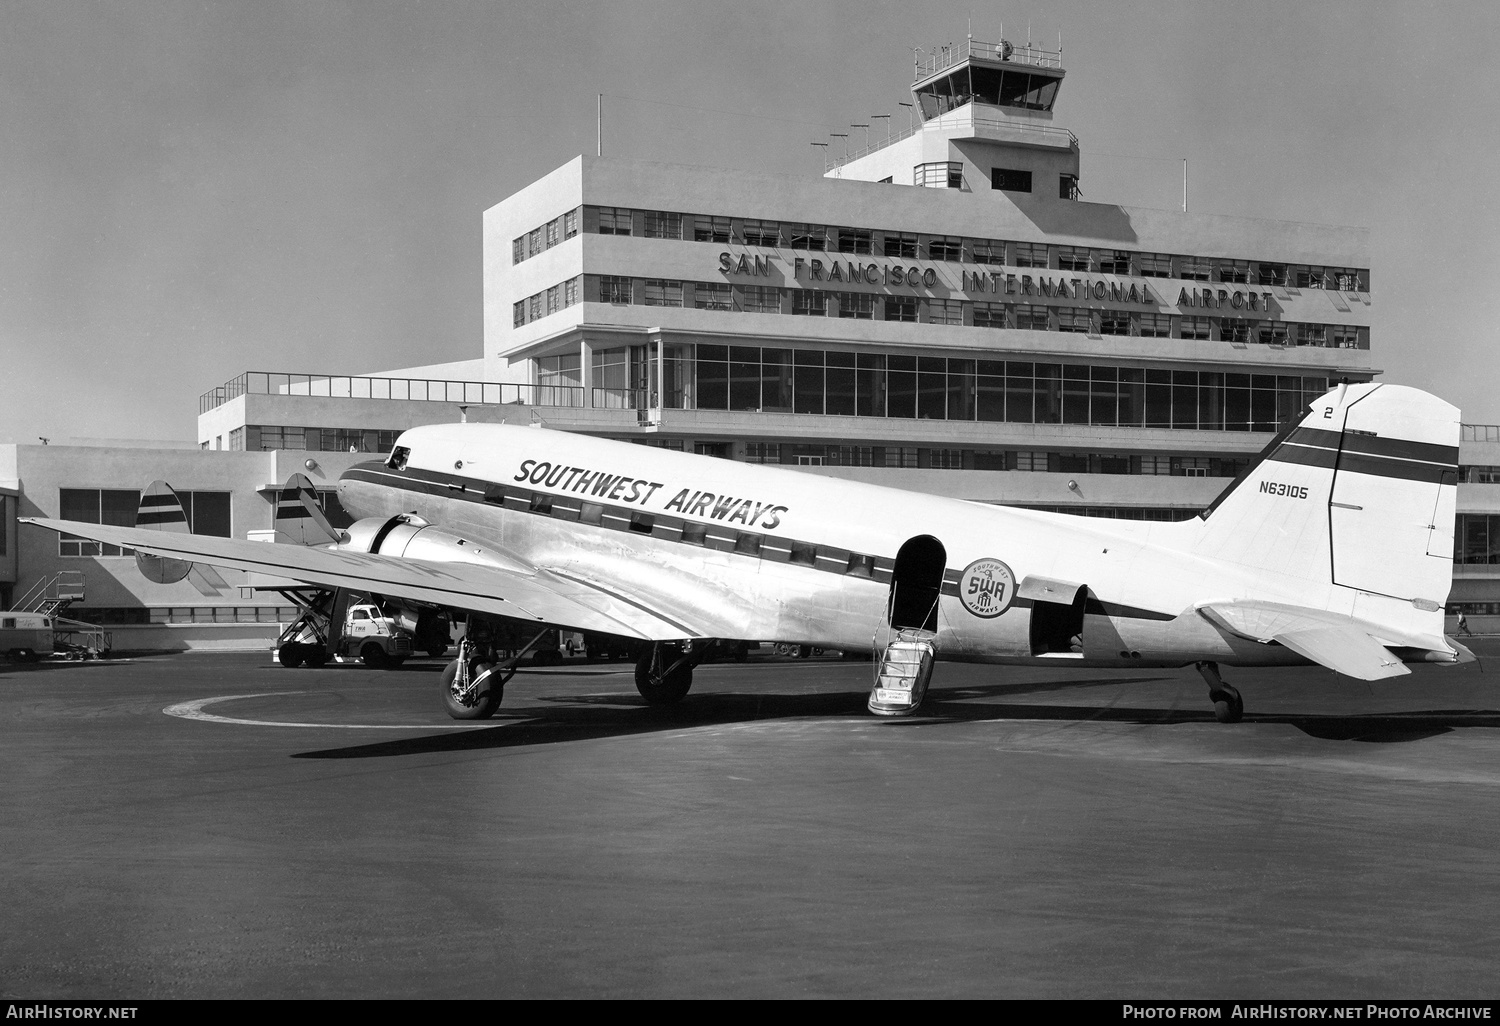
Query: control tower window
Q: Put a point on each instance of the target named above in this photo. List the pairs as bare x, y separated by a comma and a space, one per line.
998, 87
942, 174
1067, 187
1010, 180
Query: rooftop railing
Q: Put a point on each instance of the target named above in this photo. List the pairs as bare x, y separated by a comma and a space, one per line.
1480, 433
947, 56
334, 386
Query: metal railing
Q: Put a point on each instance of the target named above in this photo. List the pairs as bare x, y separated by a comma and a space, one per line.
947, 56
1480, 433
334, 386
1054, 131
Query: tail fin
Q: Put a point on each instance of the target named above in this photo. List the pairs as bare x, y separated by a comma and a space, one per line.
299, 519
1361, 494
161, 509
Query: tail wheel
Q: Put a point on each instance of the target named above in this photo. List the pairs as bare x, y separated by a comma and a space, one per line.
478, 704
290, 655
656, 685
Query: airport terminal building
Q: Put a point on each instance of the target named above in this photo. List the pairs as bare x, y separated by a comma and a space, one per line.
942, 311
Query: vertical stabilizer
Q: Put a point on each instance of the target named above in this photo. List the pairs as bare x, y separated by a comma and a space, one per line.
1360, 494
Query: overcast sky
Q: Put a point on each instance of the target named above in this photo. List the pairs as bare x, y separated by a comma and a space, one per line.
192, 190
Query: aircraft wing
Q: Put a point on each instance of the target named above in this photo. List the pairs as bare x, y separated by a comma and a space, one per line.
1337, 642
478, 587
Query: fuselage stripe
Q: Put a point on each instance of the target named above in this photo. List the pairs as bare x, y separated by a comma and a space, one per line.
717, 537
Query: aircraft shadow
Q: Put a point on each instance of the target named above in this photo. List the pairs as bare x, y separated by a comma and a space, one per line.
593, 717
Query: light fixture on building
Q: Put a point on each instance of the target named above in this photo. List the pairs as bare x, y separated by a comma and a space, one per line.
310, 464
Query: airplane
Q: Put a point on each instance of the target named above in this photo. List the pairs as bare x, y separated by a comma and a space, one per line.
1334, 548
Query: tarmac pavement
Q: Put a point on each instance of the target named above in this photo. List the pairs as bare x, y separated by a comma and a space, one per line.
218, 826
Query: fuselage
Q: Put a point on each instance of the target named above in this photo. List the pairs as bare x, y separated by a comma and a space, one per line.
741, 551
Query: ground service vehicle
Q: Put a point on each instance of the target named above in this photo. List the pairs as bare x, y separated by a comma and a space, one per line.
25, 637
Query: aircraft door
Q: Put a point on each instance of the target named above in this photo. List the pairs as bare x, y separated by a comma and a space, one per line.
916, 583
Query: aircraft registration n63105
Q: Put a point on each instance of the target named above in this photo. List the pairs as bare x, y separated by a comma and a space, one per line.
508, 525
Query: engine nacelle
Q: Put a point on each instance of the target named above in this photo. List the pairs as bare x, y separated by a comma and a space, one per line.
408, 536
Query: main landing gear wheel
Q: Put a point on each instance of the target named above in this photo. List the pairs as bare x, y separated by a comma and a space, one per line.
480, 700
660, 678
1229, 707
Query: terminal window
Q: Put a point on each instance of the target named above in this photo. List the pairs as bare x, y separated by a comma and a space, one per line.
761, 233
662, 224
1234, 271
1272, 274
116, 507
661, 292
1075, 319
1194, 328
810, 302
614, 289
806, 236
1154, 265
710, 229
988, 252
1030, 254
1156, 326
1114, 261
1031, 318
855, 240
614, 221
1193, 269
857, 305
1114, 322
759, 298
1071, 258
945, 247
945, 311
711, 296
1010, 179
901, 308
901, 244
1235, 329
989, 315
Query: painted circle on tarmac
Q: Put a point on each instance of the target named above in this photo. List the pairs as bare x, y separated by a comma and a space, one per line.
987, 588
194, 710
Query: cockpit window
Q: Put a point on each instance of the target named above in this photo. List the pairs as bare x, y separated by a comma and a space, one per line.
397, 460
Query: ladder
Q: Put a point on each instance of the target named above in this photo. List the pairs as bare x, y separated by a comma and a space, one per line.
903, 672
50, 595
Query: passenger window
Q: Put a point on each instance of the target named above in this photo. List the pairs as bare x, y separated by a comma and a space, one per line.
694, 534
804, 553
592, 513
748, 544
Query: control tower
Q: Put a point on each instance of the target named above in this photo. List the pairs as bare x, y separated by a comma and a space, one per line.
985, 112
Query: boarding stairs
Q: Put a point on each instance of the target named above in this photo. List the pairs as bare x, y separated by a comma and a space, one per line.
902, 672
50, 596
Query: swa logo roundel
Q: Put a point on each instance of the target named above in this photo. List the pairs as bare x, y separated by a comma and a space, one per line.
987, 588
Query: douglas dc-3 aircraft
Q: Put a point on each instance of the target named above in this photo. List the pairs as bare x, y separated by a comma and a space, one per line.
1335, 548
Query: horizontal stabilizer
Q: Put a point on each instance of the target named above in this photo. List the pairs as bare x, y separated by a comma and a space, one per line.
1348, 650
1338, 642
